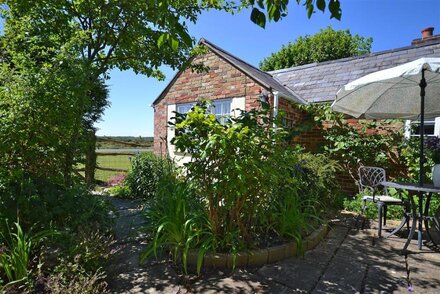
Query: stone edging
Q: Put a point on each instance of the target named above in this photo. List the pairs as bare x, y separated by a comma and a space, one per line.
261, 256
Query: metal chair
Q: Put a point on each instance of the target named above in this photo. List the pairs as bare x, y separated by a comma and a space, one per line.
370, 179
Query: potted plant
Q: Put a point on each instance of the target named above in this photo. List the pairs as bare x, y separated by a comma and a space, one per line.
433, 146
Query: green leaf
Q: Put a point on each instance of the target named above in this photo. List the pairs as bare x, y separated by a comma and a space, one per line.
162, 39
258, 17
174, 44
310, 10
335, 8
321, 5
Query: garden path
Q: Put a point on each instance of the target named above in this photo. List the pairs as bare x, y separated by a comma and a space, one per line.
347, 261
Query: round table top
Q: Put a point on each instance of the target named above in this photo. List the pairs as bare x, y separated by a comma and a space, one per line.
428, 188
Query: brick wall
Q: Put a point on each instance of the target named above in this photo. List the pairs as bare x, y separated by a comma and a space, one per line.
313, 139
221, 81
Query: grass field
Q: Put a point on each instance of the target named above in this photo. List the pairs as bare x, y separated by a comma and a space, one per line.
111, 161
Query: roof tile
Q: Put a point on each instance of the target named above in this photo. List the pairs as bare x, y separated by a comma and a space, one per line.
318, 82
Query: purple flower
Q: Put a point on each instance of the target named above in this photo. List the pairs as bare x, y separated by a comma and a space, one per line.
410, 288
433, 147
433, 144
116, 180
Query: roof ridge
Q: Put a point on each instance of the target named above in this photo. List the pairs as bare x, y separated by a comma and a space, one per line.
347, 59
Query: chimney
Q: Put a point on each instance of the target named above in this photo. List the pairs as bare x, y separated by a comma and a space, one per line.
427, 35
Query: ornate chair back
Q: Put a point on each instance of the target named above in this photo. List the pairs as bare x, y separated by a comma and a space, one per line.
370, 178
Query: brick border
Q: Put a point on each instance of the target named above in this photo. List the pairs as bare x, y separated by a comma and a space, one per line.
259, 257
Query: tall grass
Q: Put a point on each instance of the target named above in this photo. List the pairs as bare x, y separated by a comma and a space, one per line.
16, 251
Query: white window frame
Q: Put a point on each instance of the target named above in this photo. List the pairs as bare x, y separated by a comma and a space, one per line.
435, 122
237, 105
216, 104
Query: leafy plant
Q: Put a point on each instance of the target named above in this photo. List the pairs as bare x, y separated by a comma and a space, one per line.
365, 142
174, 219
15, 254
146, 171
229, 166
71, 277
243, 188
121, 191
433, 148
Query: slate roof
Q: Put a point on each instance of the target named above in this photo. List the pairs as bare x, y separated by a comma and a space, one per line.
319, 82
263, 78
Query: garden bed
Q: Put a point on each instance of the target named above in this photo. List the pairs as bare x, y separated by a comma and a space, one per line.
259, 257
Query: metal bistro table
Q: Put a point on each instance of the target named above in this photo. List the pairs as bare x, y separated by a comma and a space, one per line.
420, 214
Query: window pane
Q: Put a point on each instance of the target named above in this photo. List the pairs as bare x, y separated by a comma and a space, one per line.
184, 108
227, 108
217, 109
428, 128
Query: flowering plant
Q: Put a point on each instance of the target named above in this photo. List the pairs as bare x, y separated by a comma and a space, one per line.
433, 146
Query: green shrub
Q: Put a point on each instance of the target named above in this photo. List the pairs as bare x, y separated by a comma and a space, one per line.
147, 169
36, 201
243, 189
80, 262
73, 212
121, 191
71, 277
356, 203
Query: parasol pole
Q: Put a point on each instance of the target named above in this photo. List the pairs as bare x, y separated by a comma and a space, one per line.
422, 125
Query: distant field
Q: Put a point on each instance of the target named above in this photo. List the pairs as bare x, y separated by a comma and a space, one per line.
123, 142
115, 145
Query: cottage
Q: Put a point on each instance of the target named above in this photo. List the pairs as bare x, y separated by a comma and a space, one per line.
232, 83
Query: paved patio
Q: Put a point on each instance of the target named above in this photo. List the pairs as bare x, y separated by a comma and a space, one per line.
347, 261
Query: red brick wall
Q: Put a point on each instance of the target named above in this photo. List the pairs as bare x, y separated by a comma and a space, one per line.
313, 139
221, 81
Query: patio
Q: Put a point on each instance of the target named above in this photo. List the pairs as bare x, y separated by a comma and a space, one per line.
347, 261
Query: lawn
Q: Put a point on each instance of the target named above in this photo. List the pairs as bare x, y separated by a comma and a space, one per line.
111, 161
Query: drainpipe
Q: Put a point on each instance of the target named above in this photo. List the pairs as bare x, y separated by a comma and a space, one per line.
275, 106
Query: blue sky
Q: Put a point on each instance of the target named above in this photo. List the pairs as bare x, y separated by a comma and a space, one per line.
391, 24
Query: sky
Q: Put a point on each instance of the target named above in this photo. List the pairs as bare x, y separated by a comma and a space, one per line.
391, 24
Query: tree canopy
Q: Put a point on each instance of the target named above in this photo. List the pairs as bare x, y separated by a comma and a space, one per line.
57, 54
328, 44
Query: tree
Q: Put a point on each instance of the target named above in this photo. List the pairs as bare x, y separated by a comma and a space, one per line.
326, 45
41, 106
100, 35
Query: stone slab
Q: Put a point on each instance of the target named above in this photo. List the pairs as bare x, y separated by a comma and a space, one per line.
301, 273
241, 281
160, 278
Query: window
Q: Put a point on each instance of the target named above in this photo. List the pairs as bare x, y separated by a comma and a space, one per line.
220, 108
431, 128
184, 108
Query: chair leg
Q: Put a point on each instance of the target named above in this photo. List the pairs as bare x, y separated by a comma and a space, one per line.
364, 216
379, 216
385, 208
